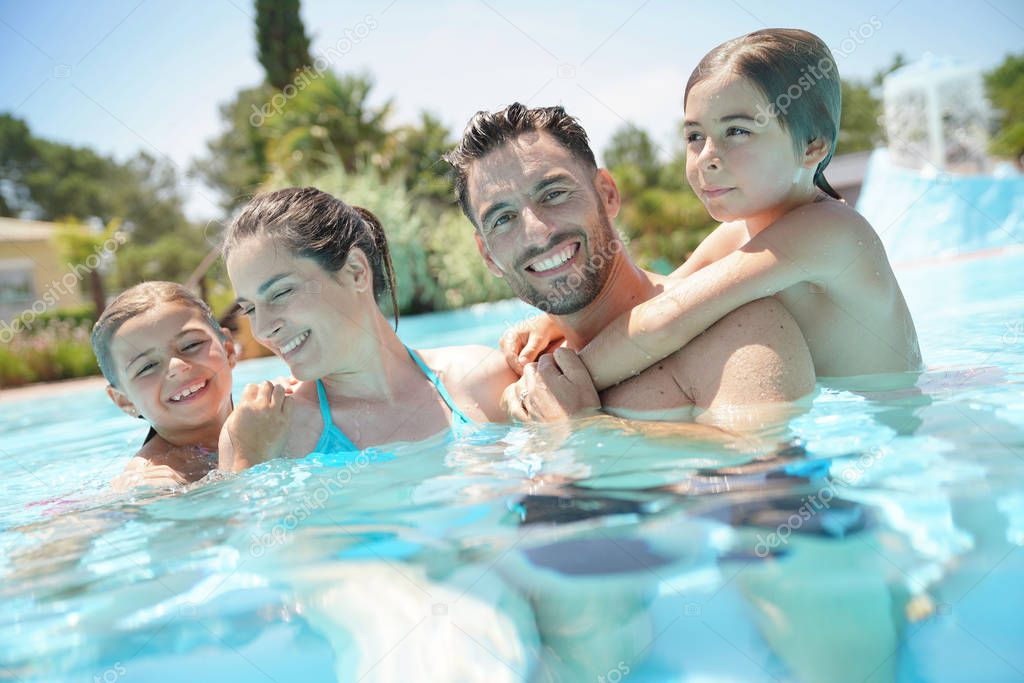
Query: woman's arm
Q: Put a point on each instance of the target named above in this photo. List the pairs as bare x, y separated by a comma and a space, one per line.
806, 244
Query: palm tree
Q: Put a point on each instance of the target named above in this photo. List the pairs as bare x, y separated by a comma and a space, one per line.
330, 117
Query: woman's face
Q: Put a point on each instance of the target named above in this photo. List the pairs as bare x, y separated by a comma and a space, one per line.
301, 312
172, 367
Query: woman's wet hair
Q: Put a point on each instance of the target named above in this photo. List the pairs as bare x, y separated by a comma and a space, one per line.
796, 73
135, 301
313, 224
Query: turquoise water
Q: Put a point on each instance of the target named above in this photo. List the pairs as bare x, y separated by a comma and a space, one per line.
673, 559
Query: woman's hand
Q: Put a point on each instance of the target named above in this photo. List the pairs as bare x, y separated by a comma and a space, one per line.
258, 426
525, 341
555, 388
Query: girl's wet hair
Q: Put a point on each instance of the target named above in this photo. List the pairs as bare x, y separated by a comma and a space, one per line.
796, 73
315, 225
136, 301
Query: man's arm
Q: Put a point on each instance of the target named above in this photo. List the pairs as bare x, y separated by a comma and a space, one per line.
809, 243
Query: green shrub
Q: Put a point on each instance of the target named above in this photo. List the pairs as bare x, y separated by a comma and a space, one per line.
58, 349
461, 276
407, 226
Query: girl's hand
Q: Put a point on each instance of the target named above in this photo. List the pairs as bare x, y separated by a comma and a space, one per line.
524, 342
290, 384
258, 426
140, 473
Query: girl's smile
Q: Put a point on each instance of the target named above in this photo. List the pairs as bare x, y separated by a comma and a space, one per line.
173, 369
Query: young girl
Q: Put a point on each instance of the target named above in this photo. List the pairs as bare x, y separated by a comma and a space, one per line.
761, 124
168, 362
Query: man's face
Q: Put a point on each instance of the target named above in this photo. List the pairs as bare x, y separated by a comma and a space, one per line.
544, 222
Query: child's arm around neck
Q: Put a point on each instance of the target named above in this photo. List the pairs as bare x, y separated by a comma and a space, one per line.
808, 243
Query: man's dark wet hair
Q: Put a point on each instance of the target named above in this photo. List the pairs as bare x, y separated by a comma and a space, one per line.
488, 131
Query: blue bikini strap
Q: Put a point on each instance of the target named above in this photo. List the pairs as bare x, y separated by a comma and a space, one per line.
325, 408
457, 415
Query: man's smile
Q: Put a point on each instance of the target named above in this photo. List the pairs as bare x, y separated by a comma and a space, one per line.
556, 260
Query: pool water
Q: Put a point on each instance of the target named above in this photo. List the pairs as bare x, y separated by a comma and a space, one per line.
876, 537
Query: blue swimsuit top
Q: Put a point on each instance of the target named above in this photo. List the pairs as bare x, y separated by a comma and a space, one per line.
333, 440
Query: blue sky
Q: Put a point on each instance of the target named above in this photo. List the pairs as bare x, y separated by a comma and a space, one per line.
121, 76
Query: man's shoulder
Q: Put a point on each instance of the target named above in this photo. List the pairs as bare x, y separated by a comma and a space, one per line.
474, 375
755, 346
458, 363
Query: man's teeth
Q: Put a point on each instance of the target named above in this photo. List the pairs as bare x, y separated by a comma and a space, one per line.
294, 343
554, 261
188, 392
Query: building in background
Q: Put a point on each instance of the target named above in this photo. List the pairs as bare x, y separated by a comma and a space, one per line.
31, 270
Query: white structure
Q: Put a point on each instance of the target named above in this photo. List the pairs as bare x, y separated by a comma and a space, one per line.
936, 116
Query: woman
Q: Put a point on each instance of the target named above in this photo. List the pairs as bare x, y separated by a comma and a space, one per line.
309, 271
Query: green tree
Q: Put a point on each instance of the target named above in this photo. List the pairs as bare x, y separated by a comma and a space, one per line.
331, 117
898, 62
79, 245
282, 41
436, 262
633, 154
54, 181
417, 158
1005, 89
859, 129
16, 151
237, 163
661, 218
171, 257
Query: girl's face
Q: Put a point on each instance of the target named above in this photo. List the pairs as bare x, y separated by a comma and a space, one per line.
739, 161
172, 368
297, 309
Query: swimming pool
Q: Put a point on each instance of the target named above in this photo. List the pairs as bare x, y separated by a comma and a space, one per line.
878, 537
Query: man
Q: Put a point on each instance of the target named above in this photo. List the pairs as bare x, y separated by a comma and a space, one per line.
543, 211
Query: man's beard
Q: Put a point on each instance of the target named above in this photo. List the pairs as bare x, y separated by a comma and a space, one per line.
575, 290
